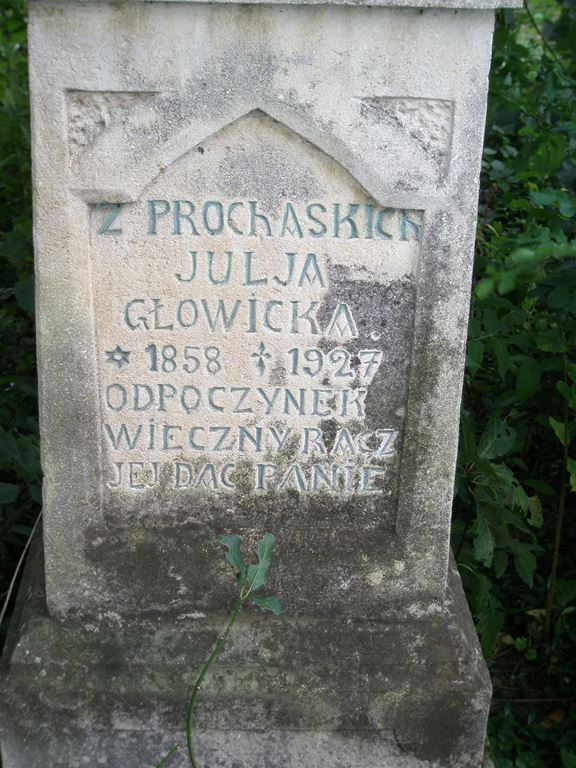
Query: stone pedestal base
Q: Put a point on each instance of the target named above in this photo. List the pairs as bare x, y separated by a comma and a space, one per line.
286, 693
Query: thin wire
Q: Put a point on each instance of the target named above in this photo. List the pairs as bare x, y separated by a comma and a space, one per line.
17, 571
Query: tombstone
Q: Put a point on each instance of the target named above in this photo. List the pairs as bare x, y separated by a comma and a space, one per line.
254, 230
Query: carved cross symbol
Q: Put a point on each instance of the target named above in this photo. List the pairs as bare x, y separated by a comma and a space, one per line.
262, 356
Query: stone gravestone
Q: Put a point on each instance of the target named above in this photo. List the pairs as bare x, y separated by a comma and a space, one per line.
254, 230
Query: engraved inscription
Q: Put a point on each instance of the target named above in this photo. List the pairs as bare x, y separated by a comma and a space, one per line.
239, 336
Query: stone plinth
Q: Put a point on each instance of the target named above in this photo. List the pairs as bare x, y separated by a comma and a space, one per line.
400, 692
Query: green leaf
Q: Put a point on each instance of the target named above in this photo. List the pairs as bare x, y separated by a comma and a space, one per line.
507, 281
483, 541
535, 516
550, 154
474, 355
548, 197
520, 498
524, 257
540, 486
267, 603
521, 643
525, 563
9, 448
559, 297
571, 467
24, 292
551, 340
484, 288
489, 612
564, 592
569, 393
15, 247
258, 574
568, 758
567, 207
8, 492
497, 439
234, 555
500, 562
502, 357
527, 380
560, 430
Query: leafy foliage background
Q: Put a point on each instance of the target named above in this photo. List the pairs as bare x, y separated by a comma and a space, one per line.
514, 532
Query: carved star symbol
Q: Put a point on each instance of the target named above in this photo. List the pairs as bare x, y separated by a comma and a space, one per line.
118, 356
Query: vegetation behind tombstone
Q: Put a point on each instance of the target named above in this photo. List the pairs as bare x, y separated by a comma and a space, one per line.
515, 523
20, 484
514, 532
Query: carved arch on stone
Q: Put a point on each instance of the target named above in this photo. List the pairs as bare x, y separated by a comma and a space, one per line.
268, 118
141, 172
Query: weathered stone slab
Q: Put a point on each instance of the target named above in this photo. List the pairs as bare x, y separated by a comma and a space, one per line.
254, 233
254, 230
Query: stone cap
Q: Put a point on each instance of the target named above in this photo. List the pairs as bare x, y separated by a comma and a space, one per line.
454, 4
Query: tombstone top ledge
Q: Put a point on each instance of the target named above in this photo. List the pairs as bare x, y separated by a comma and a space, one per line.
432, 4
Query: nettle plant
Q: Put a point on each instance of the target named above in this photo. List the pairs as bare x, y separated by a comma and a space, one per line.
251, 579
